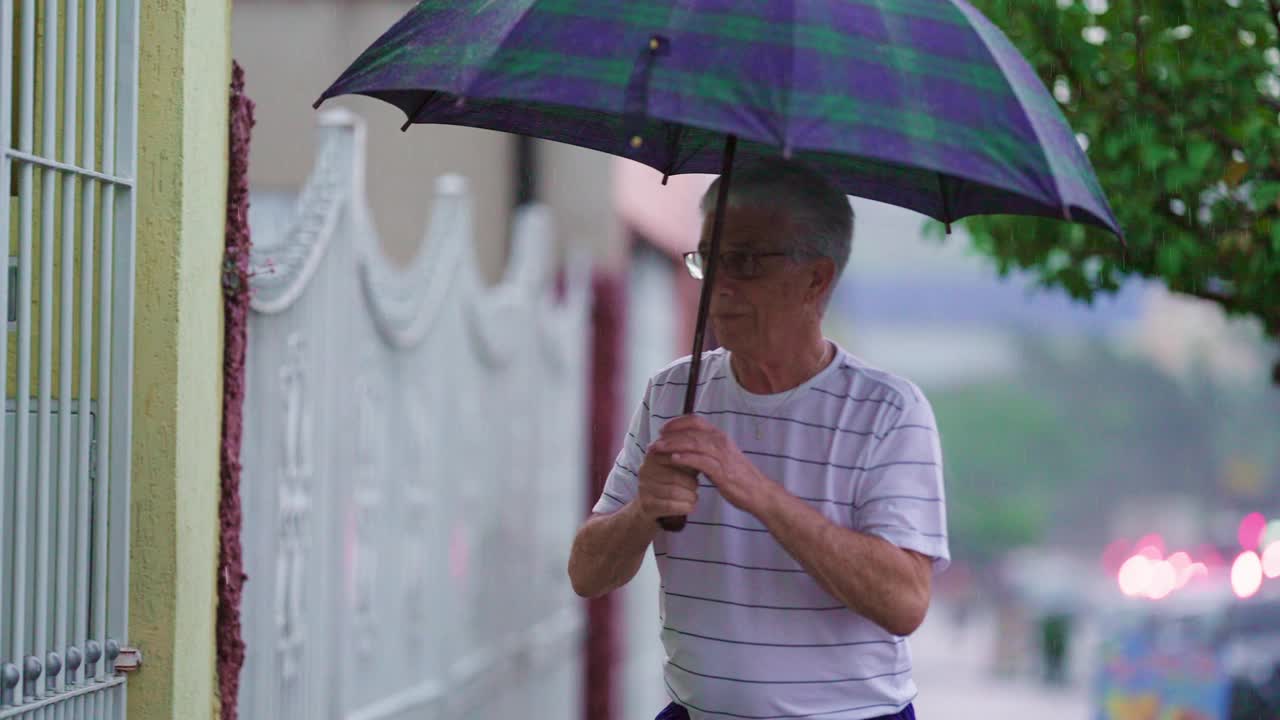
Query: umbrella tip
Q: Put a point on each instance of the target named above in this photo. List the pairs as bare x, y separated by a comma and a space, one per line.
406, 125
665, 178
316, 105
948, 228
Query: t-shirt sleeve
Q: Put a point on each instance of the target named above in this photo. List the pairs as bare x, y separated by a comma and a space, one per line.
900, 495
620, 486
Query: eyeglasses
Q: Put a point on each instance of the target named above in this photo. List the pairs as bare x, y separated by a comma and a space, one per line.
738, 264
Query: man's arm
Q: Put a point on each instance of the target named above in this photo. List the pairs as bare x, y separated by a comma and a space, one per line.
609, 549
875, 578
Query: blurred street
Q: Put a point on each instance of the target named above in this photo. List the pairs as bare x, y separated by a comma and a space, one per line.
953, 670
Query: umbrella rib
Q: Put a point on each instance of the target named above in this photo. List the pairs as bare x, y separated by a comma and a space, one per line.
674, 133
413, 117
979, 23
946, 201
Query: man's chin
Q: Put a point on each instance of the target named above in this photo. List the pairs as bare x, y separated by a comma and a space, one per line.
727, 337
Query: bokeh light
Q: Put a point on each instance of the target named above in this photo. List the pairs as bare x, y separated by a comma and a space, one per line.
1270, 534
1271, 560
1246, 574
1181, 564
1135, 575
1151, 546
1250, 531
1164, 578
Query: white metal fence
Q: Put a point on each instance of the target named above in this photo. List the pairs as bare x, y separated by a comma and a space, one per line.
68, 87
414, 450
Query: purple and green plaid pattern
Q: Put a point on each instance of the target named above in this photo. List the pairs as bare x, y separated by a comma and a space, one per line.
919, 103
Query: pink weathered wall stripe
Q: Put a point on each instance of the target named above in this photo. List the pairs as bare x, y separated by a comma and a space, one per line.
235, 287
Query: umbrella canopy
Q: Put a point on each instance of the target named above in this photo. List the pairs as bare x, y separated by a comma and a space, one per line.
919, 103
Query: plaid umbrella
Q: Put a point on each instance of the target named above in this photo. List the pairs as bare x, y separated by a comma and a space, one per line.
919, 103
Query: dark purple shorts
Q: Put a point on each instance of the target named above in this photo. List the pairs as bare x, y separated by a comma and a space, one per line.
676, 712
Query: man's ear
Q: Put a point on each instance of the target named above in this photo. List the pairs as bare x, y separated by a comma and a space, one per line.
822, 278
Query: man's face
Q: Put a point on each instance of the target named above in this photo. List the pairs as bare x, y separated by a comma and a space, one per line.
756, 313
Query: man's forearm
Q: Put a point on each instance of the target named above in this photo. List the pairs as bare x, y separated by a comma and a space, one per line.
608, 550
871, 576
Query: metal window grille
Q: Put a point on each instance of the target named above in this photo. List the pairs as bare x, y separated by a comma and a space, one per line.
68, 99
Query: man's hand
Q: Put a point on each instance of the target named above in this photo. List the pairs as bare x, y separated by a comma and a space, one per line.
692, 442
664, 488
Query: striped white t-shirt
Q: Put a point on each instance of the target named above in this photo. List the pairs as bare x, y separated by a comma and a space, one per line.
747, 632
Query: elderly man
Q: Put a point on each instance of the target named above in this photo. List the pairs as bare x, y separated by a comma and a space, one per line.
812, 483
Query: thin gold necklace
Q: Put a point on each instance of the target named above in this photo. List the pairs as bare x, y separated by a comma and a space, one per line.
758, 420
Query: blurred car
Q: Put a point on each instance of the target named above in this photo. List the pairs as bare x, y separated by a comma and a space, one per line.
1203, 655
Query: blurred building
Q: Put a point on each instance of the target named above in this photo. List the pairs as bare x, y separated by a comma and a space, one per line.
291, 51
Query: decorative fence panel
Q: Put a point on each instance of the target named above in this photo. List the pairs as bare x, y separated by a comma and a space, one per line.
414, 450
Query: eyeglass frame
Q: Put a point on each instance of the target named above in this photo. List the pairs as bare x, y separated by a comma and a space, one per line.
698, 272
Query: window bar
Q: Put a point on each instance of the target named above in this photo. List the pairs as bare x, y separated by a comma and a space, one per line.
121, 160
44, 368
6, 173
88, 196
66, 325
26, 113
97, 620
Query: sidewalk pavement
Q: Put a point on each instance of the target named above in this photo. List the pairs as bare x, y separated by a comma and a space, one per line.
952, 668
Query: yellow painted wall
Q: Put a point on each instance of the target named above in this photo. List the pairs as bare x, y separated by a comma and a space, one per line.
182, 133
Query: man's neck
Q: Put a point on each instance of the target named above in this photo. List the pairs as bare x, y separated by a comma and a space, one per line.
763, 375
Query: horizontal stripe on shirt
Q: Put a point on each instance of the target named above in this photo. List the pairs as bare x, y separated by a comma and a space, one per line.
870, 501
753, 606
894, 673
736, 565
855, 643
685, 382
844, 396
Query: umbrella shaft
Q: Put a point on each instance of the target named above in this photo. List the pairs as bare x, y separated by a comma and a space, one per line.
709, 273
676, 523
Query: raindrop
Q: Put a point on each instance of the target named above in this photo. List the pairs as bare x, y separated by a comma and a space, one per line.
1182, 32
1094, 34
1083, 140
1234, 3
1237, 155
1064, 4
1272, 56
1270, 85
1178, 207
1062, 90
1247, 38
1096, 7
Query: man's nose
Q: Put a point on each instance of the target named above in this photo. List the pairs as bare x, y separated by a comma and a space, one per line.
725, 285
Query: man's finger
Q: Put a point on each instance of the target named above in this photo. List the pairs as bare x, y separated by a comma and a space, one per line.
698, 461
686, 423
673, 492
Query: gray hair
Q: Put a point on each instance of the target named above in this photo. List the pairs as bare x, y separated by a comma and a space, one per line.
820, 213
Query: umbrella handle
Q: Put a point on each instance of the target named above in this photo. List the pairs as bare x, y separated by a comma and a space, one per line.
675, 523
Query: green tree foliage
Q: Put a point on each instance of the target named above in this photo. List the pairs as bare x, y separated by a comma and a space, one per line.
1178, 102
